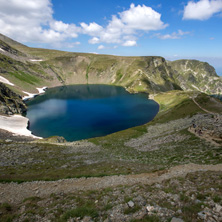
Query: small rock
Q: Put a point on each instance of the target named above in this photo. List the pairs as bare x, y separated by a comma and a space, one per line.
22, 209
179, 211
202, 215
174, 219
218, 208
130, 204
150, 208
158, 186
87, 219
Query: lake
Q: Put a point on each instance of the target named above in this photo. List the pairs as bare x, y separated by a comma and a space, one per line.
84, 111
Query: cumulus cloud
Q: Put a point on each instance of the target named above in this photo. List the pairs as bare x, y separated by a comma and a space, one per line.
101, 47
32, 21
94, 40
202, 10
91, 29
174, 35
141, 18
129, 43
126, 24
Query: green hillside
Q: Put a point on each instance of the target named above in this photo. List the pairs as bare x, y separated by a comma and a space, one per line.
29, 68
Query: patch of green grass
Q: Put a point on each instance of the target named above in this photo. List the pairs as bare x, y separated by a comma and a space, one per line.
32, 199
119, 75
184, 197
217, 199
7, 218
107, 207
80, 212
201, 196
6, 207
148, 218
131, 210
7, 214
190, 210
24, 77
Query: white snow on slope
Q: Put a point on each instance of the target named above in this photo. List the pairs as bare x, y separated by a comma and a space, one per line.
4, 80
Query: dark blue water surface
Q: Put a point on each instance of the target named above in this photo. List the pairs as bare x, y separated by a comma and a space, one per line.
85, 111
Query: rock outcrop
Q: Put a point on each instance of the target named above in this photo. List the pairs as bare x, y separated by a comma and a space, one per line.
10, 102
196, 75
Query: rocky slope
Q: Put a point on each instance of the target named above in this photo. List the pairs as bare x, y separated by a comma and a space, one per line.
29, 68
10, 102
196, 75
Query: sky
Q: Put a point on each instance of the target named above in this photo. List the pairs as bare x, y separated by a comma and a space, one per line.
172, 29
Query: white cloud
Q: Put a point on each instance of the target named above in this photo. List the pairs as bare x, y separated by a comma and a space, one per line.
174, 35
32, 21
94, 40
91, 29
128, 24
129, 43
202, 10
101, 47
141, 18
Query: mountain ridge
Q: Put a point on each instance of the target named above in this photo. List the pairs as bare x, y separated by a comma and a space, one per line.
29, 68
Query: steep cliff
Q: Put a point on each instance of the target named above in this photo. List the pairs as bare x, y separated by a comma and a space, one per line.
196, 75
10, 102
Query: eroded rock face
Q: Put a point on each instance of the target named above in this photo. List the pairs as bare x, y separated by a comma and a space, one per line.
195, 75
10, 102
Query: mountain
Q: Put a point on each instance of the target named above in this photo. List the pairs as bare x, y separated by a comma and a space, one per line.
29, 68
196, 75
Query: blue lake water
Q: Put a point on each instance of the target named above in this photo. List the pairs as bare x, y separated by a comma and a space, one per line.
85, 111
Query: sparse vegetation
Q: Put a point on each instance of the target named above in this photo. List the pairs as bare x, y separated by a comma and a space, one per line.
152, 148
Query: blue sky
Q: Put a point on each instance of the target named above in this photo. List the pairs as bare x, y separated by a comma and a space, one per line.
172, 29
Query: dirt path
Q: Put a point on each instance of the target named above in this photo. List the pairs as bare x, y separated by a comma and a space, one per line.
201, 106
205, 137
15, 193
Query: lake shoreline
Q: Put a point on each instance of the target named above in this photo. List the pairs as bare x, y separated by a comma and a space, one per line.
23, 122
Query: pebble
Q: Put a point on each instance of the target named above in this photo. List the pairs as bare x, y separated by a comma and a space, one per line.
218, 208
130, 204
174, 219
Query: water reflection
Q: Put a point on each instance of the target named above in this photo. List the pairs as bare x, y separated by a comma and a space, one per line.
85, 111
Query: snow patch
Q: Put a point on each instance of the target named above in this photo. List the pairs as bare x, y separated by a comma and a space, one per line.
4, 80
16, 124
2, 50
42, 90
35, 60
32, 95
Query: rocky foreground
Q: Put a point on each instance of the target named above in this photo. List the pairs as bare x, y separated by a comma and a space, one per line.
183, 193
167, 170
188, 192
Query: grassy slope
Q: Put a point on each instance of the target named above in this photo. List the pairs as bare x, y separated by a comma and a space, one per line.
111, 154
149, 74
